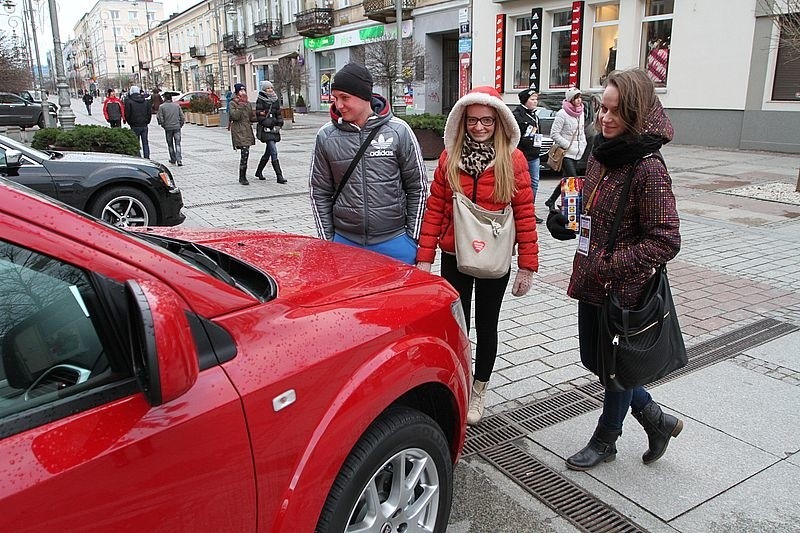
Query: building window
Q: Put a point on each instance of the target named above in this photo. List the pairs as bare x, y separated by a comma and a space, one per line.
786, 84
120, 64
604, 42
559, 49
522, 53
119, 48
656, 35
327, 67
132, 15
115, 15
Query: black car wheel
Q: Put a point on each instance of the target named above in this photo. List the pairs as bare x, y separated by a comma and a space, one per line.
123, 207
399, 477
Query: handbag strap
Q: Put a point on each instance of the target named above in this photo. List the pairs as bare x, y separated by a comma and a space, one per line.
623, 199
354, 162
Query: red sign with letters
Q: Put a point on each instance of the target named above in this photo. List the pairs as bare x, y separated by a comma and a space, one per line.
575, 39
499, 51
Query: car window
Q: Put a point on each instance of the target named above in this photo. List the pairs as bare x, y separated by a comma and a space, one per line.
8, 99
49, 339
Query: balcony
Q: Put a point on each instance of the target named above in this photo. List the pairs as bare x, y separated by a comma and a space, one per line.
384, 10
174, 58
268, 31
315, 22
197, 51
234, 42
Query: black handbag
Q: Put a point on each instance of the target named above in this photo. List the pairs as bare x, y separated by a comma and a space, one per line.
643, 344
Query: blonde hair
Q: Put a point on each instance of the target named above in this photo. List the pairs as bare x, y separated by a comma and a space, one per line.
504, 186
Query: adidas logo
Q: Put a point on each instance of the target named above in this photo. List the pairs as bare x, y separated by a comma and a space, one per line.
376, 153
381, 143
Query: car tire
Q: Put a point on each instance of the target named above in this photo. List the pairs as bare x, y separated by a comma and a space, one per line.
363, 492
124, 207
41, 122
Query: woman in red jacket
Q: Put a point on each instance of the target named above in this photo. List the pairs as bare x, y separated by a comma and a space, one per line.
482, 162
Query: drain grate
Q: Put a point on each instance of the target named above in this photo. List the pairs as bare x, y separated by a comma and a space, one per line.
492, 432
244, 200
552, 410
583, 510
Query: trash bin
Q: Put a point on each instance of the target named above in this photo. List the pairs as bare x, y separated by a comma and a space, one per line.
223, 118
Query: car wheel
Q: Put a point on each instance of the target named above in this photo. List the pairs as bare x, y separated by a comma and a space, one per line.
124, 207
399, 474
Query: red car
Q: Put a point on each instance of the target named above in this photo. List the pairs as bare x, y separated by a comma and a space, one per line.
201, 380
184, 99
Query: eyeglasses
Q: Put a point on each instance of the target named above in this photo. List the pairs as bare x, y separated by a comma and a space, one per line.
486, 121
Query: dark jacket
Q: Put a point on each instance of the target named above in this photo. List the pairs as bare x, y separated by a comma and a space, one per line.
88, 99
241, 116
528, 122
138, 111
155, 101
385, 196
650, 231
270, 119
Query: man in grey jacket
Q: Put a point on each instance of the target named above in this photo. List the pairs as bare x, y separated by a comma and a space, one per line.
170, 117
380, 207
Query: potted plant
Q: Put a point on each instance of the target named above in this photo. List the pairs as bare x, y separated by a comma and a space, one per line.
429, 130
300, 105
199, 107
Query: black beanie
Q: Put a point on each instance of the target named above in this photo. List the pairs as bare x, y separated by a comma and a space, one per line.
524, 95
353, 79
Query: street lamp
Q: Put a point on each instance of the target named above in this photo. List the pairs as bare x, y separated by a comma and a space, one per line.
399, 104
169, 56
65, 113
13, 22
110, 15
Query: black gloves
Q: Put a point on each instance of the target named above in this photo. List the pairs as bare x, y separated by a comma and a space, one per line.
556, 224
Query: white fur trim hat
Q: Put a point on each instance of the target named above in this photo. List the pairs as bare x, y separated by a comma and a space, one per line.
571, 93
484, 95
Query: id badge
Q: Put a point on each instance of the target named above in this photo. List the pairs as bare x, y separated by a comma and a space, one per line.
584, 234
537, 139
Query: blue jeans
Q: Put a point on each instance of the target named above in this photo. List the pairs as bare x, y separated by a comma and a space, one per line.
533, 168
174, 145
615, 404
271, 151
141, 132
403, 248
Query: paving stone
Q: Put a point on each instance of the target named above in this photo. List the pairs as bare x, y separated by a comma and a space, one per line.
525, 370
564, 374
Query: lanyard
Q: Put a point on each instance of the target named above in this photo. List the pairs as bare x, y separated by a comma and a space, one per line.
591, 200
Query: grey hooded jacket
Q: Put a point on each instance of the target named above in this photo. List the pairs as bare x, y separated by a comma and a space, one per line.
385, 195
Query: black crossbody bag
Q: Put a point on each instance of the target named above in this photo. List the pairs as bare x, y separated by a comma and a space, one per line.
353, 163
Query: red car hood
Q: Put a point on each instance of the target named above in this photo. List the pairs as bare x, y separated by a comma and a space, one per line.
308, 271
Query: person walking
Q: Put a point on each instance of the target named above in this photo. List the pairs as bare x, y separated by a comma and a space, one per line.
530, 140
241, 116
270, 122
156, 99
138, 114
380, 206
170, 117
482, 162
88, 99
633, 127
113, 110
568, 131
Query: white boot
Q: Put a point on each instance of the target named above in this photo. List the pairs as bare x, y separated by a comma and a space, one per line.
476, 401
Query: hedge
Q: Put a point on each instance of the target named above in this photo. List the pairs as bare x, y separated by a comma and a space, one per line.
88, 139
426, 121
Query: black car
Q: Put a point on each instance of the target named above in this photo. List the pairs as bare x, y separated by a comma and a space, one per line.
18, 111
119, 189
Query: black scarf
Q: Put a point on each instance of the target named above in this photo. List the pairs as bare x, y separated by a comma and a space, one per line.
627, 148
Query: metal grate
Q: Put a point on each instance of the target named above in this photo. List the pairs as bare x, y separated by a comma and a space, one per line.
492, 432
552, 410
583, 510
248, 199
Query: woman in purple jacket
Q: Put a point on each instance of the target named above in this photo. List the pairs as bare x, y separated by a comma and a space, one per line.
633, 126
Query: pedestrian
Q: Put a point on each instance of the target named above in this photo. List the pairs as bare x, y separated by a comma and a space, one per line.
568, 131
242, 115
170, 117
530, 141
156, 99
380, 206
87, 101
113, 111
138, 113
270, 122
482, 162
633, 126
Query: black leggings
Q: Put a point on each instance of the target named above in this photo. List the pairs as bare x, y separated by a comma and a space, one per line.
569, 167
488, 299
243, 157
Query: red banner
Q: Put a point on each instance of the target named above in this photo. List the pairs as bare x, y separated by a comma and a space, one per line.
575, 39
499, 52
464, 61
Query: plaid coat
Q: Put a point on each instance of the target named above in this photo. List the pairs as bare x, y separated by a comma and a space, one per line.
648, 236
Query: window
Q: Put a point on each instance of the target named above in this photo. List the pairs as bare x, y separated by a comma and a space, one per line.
49, 331
522, 53
559, 49
786, 84
656, 36
120, 64
327, 68
604, 42
132, 15
115, 15
119, 48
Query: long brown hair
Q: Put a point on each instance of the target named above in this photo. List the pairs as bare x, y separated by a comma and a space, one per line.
637, 94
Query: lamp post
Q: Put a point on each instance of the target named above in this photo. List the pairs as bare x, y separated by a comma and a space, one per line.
116, 47
219, 45
65, 113
169, 57
399, 103
35, 43
150, 42
13, 22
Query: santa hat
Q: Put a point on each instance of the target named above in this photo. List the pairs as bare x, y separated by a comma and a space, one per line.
487, 96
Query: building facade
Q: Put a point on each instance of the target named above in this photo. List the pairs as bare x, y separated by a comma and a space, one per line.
716, 65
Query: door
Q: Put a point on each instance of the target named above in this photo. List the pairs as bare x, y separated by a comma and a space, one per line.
31, 173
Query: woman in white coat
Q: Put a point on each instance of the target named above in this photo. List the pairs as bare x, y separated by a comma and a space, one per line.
568, 131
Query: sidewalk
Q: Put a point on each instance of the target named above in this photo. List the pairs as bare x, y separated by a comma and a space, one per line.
737, 288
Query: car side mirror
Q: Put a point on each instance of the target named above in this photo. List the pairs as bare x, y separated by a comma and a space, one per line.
13, 159
165, 360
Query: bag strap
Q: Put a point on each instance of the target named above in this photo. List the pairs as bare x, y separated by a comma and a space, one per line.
354, 162
623, 199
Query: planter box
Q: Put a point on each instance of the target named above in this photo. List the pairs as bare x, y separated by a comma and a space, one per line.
211, 121
431, 143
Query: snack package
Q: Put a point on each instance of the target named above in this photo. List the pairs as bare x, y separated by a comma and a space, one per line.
571, 201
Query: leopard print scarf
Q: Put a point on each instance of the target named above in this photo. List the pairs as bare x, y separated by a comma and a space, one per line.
476, 156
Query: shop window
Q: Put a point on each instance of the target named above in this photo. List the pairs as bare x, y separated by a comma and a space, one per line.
656, 36
327, 68
559, 49
604, 42
522, 53
786, 84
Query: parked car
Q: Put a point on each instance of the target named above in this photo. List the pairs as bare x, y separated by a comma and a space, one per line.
17, 111
225, 381
121, 190
35, 96
184, 99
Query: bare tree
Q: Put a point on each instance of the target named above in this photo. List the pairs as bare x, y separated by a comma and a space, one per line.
380, 57
14, 73
290, 76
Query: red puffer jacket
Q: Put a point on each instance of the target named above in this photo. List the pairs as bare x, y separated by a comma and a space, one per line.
437, 224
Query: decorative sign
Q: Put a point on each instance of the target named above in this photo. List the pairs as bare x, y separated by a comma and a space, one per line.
536, 48
499, 51
575, 39
464, 61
